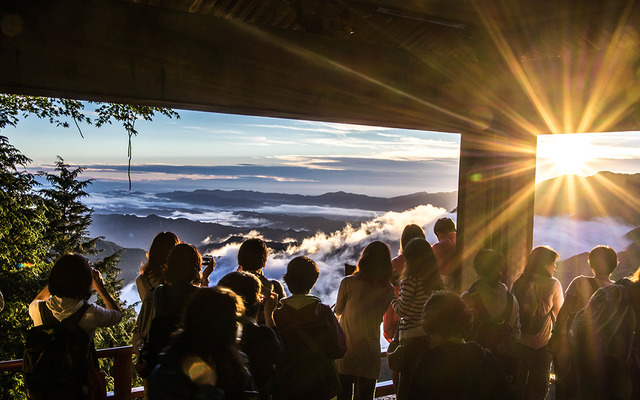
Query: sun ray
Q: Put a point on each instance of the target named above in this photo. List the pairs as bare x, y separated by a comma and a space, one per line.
607, 75
525, 80
620, 193
593, 198
544, 206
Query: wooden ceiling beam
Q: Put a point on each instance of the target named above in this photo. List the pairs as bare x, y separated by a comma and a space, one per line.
124, 52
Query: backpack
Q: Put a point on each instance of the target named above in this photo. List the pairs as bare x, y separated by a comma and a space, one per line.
495, 334
604, 334
168, 309
57, 357
532, 318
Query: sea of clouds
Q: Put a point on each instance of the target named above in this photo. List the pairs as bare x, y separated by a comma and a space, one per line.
331, 251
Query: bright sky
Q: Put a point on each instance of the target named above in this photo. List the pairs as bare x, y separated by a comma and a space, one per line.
587, 153
219, 151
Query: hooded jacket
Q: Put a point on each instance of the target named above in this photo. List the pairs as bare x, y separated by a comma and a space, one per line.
63, 307
312, 338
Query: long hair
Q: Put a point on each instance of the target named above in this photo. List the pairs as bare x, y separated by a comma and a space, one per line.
420, 263
209, 330
183, 264
374, 265
158, 253
537, 262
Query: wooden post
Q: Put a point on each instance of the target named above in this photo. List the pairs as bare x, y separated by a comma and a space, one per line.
496, 199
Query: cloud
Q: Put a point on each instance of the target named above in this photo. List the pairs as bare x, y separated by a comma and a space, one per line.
296, 174
215, 131
569, 236
321, 127
332, 250
279, 178
321, 163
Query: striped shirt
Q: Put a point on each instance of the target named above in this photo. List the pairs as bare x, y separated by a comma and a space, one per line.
412, 296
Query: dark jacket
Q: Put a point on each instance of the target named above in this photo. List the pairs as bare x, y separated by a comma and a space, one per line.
458, 371
262, 346
312, 338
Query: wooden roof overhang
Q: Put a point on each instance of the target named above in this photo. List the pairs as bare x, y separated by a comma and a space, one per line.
534, 66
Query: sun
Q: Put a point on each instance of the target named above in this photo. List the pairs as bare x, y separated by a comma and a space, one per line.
567, 154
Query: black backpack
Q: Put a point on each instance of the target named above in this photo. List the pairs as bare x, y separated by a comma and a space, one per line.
168, 303
57, 357
495, 334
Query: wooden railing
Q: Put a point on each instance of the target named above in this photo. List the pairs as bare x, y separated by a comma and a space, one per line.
122, 370
122, 364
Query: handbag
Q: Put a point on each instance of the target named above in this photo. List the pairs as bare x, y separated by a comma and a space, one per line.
396, 353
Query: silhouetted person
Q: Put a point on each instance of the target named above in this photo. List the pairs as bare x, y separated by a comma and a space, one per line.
252, 258
182, 279
446, 254
419, 279
606, 337
454, 369
258, 342
66, 296
152, 272
540, 297
203, 362
151, 276
311, 336
391, 320
362, 300
603, 260
495, 311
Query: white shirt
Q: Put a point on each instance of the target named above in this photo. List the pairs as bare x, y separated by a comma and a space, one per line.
63, 307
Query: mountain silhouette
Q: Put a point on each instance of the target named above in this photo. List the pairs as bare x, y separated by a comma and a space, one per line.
605, 194
253, 199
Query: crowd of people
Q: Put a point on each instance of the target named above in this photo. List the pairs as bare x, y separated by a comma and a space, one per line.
245, 339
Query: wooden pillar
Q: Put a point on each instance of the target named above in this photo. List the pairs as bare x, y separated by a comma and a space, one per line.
496, 199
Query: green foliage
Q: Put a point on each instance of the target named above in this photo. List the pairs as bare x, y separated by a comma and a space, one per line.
57, 111
23, 272
36, 226
69, 219
120, 334
128, 115
60, 111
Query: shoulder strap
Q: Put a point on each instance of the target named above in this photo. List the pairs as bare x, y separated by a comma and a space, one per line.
481, 310
158, 298
75, 318
46, 315
508, 310
48, 318
594, 284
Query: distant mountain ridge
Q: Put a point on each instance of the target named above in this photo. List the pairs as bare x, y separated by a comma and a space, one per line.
253, 199
605, 194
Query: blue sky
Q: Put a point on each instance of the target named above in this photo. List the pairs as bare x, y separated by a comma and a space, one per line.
220, 151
